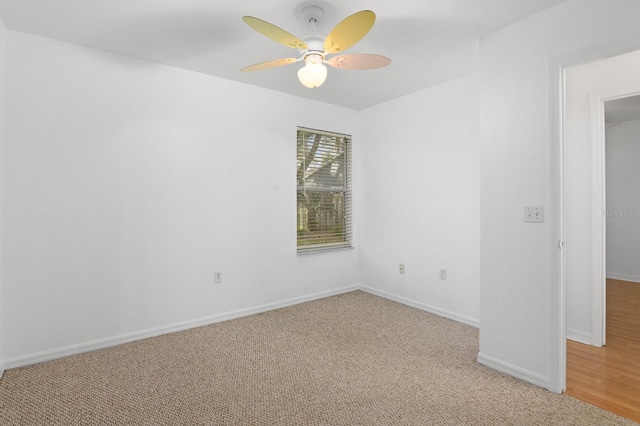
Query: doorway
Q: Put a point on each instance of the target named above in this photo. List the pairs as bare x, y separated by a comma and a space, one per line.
591, 91
587, 88
622, 183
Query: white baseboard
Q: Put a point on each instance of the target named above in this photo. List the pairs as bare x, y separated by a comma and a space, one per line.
423, 306
623, 277
90, 346
93, 345
578, 336
512, 370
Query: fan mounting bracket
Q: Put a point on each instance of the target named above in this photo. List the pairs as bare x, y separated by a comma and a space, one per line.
312, 14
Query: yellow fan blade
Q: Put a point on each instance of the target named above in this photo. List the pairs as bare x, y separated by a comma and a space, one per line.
356, 61
274, 33
269, 64
349, 31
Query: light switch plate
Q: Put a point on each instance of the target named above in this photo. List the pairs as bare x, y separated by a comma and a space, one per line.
534, 214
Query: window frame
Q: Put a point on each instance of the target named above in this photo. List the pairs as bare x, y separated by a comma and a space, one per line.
346, 232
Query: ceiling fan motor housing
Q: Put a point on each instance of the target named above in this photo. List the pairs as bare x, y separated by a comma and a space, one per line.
315, 44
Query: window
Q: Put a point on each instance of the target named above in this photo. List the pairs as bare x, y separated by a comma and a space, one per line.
324, 191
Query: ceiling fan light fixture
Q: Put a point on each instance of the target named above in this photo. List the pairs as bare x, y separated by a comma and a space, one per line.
314, 72
314, 48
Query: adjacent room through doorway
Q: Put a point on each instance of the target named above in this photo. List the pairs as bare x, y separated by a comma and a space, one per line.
602, 151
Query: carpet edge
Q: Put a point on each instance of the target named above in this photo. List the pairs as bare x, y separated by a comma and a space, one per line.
93, 345
512, 370
422, 306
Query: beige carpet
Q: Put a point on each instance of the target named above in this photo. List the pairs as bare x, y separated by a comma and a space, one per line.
353, 359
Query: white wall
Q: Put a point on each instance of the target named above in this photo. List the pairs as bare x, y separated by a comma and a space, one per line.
421, 203
128, 184
3, 37
581, 82
123, 195
520, 283
623, 200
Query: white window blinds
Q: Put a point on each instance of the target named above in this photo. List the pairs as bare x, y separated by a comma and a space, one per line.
324, 190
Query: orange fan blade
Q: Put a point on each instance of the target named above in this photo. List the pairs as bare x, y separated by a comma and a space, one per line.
349, 31
357, 61
275, 33
269, 64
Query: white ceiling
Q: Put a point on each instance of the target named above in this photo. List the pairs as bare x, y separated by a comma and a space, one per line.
429, 41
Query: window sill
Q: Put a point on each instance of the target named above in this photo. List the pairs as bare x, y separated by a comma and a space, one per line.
323, 250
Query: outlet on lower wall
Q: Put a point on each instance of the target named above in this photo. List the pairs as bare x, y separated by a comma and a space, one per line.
443, 274
217, 277
401, 268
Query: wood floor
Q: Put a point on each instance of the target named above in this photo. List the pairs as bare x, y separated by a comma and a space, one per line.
609, 377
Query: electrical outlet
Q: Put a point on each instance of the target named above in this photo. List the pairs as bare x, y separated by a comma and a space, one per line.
443, 274
401, 268
217, 277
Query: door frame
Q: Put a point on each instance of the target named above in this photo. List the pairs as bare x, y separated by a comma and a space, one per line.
599, 222
557, 285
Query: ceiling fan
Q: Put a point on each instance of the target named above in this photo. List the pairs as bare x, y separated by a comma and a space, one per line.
317, 50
